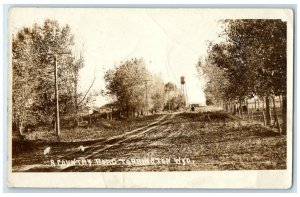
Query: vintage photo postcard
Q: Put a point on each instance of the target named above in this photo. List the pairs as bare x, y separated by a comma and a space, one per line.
150, 98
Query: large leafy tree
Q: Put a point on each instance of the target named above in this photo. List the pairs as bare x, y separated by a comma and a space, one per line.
156, 92
261, 44
253, 58
174, 97
217, 82
261, 47
126, 84
34, 50
24, 80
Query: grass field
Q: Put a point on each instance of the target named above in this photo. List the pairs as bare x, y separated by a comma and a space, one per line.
209, 140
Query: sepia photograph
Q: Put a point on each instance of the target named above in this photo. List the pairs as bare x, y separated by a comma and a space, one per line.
150, 90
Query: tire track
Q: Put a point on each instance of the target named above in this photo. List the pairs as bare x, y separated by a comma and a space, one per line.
108, 140
119, 139
134, 134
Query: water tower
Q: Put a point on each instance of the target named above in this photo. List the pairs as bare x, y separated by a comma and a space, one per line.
183, 89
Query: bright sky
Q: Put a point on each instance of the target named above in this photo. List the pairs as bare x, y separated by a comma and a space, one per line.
170, 40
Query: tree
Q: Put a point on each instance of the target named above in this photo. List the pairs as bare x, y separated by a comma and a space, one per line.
252, 59
156, 92
263, 45
24, 83
169, 87
126, 83
34, 50
175, 98
216, 79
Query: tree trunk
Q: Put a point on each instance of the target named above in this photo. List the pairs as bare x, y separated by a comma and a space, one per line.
247, 108
247, 105
241, 109
268, 111
280, 101
248, 113
264, 117
21, 128
234, 108
76, 118
284, 113
275, 115
111, 113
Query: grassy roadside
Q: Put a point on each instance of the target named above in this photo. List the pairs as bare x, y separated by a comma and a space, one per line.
98, 130
212, 140
212, 145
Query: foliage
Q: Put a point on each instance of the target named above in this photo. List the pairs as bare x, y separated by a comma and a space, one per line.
175, 98
260, 47
127, 84
216, 80
34, 51
252, 60
135, 90
157, 95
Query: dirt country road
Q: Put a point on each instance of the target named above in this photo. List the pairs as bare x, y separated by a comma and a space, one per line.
170, 142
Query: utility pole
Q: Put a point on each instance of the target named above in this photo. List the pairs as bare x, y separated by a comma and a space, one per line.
57, 128
57, 122
146, 84
57, 125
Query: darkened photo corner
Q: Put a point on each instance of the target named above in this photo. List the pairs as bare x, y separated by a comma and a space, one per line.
142, 90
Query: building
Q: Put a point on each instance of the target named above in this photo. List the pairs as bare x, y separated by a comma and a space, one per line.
107, 108
87, 110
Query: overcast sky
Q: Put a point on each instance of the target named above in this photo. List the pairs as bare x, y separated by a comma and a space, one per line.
170, 40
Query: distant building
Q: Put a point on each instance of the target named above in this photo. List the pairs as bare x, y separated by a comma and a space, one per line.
107, 108
88, 110
84, 111
93, 110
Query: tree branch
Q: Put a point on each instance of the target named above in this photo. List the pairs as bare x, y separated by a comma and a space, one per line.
88, 90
